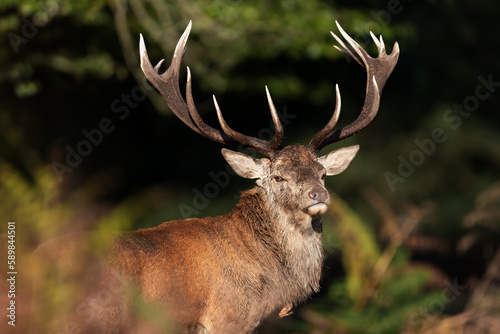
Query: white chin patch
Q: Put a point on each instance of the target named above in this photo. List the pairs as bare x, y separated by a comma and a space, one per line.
317, 209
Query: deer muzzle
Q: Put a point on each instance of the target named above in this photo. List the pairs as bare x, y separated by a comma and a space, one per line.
320, 200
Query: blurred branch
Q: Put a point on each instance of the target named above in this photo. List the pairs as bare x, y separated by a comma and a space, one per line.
119, 10
491, 274
389, 221
413, 217
146, 20
120, 15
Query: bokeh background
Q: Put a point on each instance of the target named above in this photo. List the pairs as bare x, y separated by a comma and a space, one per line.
412, 237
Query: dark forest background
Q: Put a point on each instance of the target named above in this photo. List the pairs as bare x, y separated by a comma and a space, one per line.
412, 237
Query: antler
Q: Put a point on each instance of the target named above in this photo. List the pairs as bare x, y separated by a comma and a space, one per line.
378, 71
167, 84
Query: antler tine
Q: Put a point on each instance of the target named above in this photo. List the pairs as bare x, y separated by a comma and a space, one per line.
327, 130
378, 71
277, 139
157, 67
346, 51
167, 84
205, 129
379, 43
258, 145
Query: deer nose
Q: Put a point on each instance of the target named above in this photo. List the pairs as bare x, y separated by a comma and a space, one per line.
319, 195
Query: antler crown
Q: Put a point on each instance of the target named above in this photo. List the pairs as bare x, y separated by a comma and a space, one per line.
167, 84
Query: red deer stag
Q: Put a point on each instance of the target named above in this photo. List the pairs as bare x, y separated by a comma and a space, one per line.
226, 274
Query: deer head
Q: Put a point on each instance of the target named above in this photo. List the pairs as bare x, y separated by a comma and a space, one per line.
292, 177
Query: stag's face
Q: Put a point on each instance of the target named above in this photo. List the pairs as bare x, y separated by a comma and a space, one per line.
294, 179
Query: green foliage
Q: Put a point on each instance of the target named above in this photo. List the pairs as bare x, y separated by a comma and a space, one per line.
41, 213
358, 245
33, 203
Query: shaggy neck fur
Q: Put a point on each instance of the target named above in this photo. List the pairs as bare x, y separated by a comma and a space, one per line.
297, 254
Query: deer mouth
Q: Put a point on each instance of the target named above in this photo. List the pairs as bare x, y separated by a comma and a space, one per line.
317, 209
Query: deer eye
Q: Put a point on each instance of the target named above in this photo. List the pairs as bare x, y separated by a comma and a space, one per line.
323, 176
279, 179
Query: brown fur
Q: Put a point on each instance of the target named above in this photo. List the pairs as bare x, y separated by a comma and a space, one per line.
211, 275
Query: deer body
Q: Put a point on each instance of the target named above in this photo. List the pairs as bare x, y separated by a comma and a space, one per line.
235, 270
226, 274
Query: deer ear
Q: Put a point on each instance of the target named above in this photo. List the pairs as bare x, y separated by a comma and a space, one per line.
337, 161
244, 165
